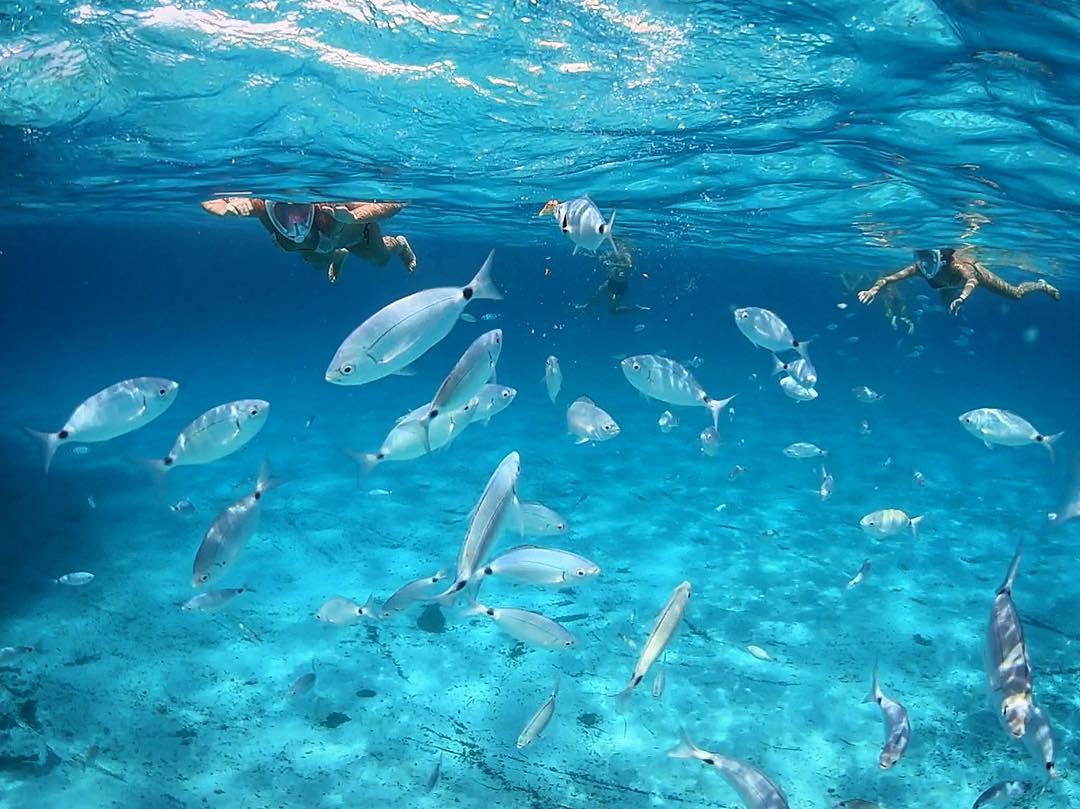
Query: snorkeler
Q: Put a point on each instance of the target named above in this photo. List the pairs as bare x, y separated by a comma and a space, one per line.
896, 308
947, 270
324, 233
618, 265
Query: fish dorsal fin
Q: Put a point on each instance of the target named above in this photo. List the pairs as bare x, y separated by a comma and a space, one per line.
585, 399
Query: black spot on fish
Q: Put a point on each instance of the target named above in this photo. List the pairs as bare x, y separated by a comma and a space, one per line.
467, 293
168, 461
258, 495
488, 571
63, 434
490, 612
709, 761
433, 413
459, 586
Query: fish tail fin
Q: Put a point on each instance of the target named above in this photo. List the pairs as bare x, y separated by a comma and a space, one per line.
915, 523
575, 250
483, 285
367, 462
49, 442
368, 610
158, 468
686, 747
778, 365
802, 347
716, 407
1046, 440
875, 688
266, 481
1014, 566
606, 230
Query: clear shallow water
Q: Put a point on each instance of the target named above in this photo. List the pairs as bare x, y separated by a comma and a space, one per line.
192, 710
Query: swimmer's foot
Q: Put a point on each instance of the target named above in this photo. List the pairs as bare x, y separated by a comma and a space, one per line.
1050, 290
337, 261
408, 258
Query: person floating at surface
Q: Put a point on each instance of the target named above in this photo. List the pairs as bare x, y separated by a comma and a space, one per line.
896, 308
948, 270
324, 233
619, 265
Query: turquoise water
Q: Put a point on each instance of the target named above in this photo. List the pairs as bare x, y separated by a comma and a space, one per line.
754, 154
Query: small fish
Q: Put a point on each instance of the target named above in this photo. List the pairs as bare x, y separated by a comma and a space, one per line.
110, 413
490, 316
804, 449
341, 611
213, 600
539, 721
667, 624
10, 655
754, 787
897, 727
887, 464
542, 566
530, 628
471, 372
638, 328
864, 427
309, 421
867, 395
183, 507
793, 390
75, 579
857, 803
841, 306
588, 422
490, 401
694, 362
825, 491
658, 682
406, 439
1003, 791
668, 421
919, 478
90, 501
890, 522
859, 577
537, 520
379, 492
766, 330
80, 450
800, 370
409, 594
249, 632
853, 339
832, 327
467, 318
582, 221
709, 439
758, 652
736, 470
433, 779
1005, 428
552, 377
302, 684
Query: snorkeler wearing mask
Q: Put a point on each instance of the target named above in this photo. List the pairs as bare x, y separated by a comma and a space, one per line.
618, 265
324, 233
948, 270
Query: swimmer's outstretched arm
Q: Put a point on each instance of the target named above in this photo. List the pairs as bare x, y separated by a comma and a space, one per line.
971, 280
235, 206
868, 295
357, 213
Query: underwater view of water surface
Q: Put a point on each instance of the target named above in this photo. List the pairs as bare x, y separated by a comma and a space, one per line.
571, 404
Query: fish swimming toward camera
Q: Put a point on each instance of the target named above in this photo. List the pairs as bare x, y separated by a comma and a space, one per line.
552, 377
110, 413
401, 332
587, 421
799, 370
581, 220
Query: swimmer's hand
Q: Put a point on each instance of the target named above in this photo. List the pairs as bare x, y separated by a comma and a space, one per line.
954, 307
868, 295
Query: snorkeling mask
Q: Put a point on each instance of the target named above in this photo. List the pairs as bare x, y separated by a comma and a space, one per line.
931, 262
293, 220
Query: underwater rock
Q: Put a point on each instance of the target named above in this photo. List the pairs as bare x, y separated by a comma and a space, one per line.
23, 753
589, 720
365, 693
432, 619
335, 720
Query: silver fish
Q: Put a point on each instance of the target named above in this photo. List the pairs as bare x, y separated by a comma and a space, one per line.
1007, 665
667, 624
341, 611
804, 449
658, 682
302, 684
793, 390
1005, 428
867, 395
406, 439
859, 577
218, 432
395, 336
709, 439
536, 565
491, 400
230, 531
897, 728
433, 779
799, 370
10, 655
540, 720
212, 600
539, 520
766, 330
582, 221
496, 510
668, 421
1001, 792
75, 579
528, 627
183, 507
664, 379
1039, 740
588, 422
117, 410
755, 788
471, 372
409, 594
825, 491
552, 377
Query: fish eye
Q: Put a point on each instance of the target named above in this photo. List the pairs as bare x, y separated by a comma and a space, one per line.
161, 391
204, 577
346, 369
506, 394
580, 571
254, 412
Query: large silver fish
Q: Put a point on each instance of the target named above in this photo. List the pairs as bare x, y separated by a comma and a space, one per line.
230, 531
1007, 665
543, 566
526, 626
755, 788
399, 333
406, 439
117, 410
1003, 427
496, 511
218, 432
667, 624
664, 379
897, 727
465, 380
582, 221
766, 330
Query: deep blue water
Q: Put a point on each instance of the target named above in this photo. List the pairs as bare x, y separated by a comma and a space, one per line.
754, 155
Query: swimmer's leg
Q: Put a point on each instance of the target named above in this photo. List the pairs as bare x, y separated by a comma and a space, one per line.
379, 249
1000, 286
